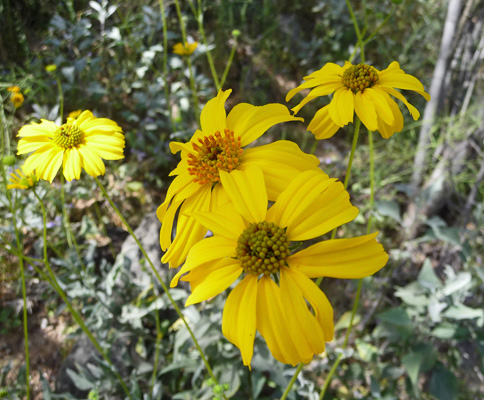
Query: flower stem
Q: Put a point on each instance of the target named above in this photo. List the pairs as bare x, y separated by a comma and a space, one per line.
189, 63
229, 63
74, 313
165, 64
24, 290
61, 98
372, 181
357, 31
199, 17
291, 382
160, 280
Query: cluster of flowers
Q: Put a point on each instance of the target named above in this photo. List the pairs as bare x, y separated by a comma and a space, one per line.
261, 204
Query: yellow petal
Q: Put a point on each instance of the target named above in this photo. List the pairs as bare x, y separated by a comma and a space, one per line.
215, 282
250, 122
400, 80
91, 162
280, 162
413, 111
322, 126
322, 90
213, 116
382, 107
239, 317
341, 258
385, 130
85, 116
32, 143
342, 107
224, 221
247, 191
45, 128
305, 329
71, 164
48, 164
271, 322
207, 250
316, 298
311, 206
365, 110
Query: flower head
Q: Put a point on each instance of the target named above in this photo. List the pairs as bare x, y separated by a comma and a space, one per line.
359, 88
18, 180
276, 295
221, 146
14, 89
185, 49
51, 68
17, 99
79, 143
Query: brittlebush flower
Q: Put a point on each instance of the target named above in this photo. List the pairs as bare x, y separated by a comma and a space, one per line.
18, 180
276, 295
14, 89
185, 49
221, 146
359, 88
79, 143
17, 99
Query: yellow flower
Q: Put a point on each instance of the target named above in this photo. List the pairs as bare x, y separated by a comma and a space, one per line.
74, 114
359, 88
51, 68
276, 295
185, 49
221, 146
17, 99
80, 143
14, 89
21, 181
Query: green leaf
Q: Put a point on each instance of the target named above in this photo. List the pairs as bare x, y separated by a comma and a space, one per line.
427, 277
366, 351
443, 384
460, 311
80, 381
344, 321
397, 319
389, 209
444, 331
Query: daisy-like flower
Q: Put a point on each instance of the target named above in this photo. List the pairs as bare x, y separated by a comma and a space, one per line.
17, 99
221, 146
18, 180
276, 295
14, 89
185, 49
74, 114
79, 143
359, 88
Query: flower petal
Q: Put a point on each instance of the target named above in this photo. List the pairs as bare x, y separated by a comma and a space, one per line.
280, 162
239, 317
48, 163
382, 107
213, 116
342, 107
322, 126
272, 324
250, 122
365, 110
341, 258
413, 111
247, 191
91, 162
394, 77
71, 164
322, 90
224, 221
32, 143
215, 282
45, 128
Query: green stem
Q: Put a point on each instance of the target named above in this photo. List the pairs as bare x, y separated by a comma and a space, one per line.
159, 335
24, 290
2, 129
165, 64
229, 63
61, 98
291, 382
189, 63
357, 30
163, 285
372, 181
73, 312
199, 17
380, 26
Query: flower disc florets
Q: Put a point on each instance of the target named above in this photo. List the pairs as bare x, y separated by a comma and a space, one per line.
262, 248
67, 136
215, 153
359, 77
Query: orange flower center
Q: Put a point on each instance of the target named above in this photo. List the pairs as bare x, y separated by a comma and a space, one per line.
359, 77
214, 153
262, 248
67, 136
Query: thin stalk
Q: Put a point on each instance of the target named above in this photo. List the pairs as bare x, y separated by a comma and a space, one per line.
24, 290
372, 181
189, 63
380, 26
199, 17
291, 382
159, 335
163, 285
61, 98
165, 64
229, 63
357, 30
73, 312
2, 129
